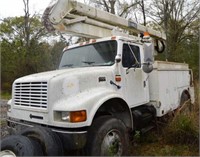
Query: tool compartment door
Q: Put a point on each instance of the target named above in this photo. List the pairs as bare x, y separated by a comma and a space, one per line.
166, 83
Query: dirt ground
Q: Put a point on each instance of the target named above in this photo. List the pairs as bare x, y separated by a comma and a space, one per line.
3, 115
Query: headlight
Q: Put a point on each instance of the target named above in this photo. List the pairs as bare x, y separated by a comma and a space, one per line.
8, 108
61, 116
65, 116
73, 116
9, 103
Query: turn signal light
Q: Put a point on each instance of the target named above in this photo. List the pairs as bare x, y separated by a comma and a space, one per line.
78, 116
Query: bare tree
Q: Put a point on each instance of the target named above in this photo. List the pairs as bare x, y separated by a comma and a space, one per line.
143, 12
26, 22
33, 31
30, 22
175, 17
121, 8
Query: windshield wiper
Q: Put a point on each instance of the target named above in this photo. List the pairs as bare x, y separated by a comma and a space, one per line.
88, 62
104, 64
67, 65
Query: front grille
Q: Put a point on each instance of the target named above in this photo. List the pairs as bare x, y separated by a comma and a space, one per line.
31, 94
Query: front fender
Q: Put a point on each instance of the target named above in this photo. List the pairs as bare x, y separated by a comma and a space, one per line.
89, 100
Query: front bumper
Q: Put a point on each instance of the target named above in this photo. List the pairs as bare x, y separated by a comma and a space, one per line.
72, 138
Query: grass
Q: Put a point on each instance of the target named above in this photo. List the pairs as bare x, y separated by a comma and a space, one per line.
162, 149
178, 137
183, 129
3, 122
170, 140
5, 95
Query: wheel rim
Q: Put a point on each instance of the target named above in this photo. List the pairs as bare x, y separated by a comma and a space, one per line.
112, 144
7, 153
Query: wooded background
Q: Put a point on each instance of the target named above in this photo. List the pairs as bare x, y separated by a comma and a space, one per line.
26, 47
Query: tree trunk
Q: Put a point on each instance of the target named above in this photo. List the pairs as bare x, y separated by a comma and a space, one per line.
112, 6
143, 12
166, 18
27, 23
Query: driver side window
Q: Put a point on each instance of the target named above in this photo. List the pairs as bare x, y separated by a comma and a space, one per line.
128, 59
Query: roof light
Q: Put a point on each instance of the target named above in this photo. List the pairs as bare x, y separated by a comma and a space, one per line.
92, 40
65, 48
113, 38
146, 34
81, 44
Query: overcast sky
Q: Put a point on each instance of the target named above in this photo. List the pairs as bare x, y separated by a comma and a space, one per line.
10, 8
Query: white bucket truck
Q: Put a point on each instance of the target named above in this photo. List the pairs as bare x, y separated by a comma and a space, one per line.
104, 89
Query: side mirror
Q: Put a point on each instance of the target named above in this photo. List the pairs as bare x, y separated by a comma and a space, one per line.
148, 52
118, 59
147, 67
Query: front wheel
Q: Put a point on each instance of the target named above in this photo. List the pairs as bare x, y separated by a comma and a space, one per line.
50, 141
107, 136
18, 145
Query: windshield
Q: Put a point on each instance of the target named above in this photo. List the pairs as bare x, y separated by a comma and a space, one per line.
97, 54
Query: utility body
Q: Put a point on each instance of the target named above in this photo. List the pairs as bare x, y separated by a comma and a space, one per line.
104, 89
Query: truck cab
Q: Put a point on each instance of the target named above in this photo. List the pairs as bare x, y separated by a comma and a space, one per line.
89, 74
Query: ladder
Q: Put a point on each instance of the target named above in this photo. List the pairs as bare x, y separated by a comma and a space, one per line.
72, 17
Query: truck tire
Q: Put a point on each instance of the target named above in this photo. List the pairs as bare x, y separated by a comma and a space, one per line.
185, 107
107, 136
184, 98
50, 141
20, 146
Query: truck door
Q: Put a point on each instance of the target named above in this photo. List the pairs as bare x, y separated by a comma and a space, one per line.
136, 85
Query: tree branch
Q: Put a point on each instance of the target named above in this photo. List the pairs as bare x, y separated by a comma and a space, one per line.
125, 10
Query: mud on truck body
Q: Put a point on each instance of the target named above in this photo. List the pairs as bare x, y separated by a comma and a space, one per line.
104, 89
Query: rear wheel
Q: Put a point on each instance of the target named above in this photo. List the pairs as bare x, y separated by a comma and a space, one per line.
107, 136
185, 104
184, 97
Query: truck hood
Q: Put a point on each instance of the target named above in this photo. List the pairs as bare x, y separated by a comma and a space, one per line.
44, 76
71, 81
71, 72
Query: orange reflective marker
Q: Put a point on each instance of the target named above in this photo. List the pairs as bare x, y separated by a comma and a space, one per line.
118, 78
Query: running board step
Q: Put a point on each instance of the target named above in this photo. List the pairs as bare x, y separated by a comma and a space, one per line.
148, 128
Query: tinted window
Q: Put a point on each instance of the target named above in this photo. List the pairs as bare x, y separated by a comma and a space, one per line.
128, 59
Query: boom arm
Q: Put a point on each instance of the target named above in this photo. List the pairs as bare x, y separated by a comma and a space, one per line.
72, 17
